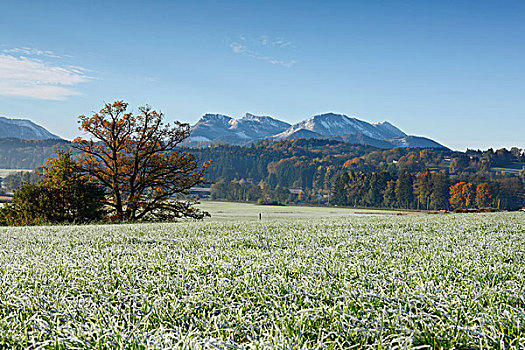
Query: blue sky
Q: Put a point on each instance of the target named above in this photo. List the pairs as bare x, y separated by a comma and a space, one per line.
450, 70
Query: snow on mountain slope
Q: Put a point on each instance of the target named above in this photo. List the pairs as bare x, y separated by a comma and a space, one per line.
414, 141
388, 130
335, 124
209, 127
218, 127
214, 120
23, 129
298, 134
258, 126
212, 128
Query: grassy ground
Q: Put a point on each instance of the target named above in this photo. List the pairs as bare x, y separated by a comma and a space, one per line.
512, 171
360, 281
228, 211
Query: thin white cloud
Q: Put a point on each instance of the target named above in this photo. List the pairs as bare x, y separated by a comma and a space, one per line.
281, 43
35, 78
265, 42
29, 51
274, 42
276, 61
238, 48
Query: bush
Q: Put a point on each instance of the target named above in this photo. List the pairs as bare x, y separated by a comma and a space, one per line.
61, 195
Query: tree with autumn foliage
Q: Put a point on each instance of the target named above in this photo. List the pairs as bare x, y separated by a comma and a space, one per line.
469, 194
462, 195
456, 195
484, 195
134, 158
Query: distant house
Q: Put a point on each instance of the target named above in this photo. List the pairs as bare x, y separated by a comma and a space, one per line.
296, 191
200, 192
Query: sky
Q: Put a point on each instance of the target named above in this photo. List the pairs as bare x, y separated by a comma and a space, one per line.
453, 71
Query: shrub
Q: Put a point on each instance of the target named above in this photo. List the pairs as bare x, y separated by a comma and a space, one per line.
61, 195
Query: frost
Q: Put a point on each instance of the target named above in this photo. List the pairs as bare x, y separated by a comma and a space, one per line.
363, 282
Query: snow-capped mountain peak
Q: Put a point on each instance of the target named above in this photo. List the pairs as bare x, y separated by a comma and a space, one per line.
251, 127
214, 118
249, 116
335, 124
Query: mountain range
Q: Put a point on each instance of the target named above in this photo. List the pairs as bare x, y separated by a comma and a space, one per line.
214, 128
23, 129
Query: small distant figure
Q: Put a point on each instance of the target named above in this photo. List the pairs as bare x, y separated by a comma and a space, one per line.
260, 216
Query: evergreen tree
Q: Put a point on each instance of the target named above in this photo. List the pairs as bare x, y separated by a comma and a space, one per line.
404, 190
510, 193
439, 198
339, 190
423, 189
389, 194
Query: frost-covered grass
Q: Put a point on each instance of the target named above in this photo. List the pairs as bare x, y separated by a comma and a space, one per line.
379, 282
228, 211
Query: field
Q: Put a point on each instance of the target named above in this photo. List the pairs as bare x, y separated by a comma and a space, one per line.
310, 281
229, 211
6, 172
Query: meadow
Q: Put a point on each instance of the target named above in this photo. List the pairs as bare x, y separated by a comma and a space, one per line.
290, 281
238, 211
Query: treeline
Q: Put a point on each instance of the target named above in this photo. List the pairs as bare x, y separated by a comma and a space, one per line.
314, 163
315, 170
247, 190
427, 190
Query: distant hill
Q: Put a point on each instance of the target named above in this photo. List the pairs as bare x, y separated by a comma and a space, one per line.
23, 129
218, 128
16, 153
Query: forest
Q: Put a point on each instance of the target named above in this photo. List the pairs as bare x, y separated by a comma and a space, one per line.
335, 173
338, 173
